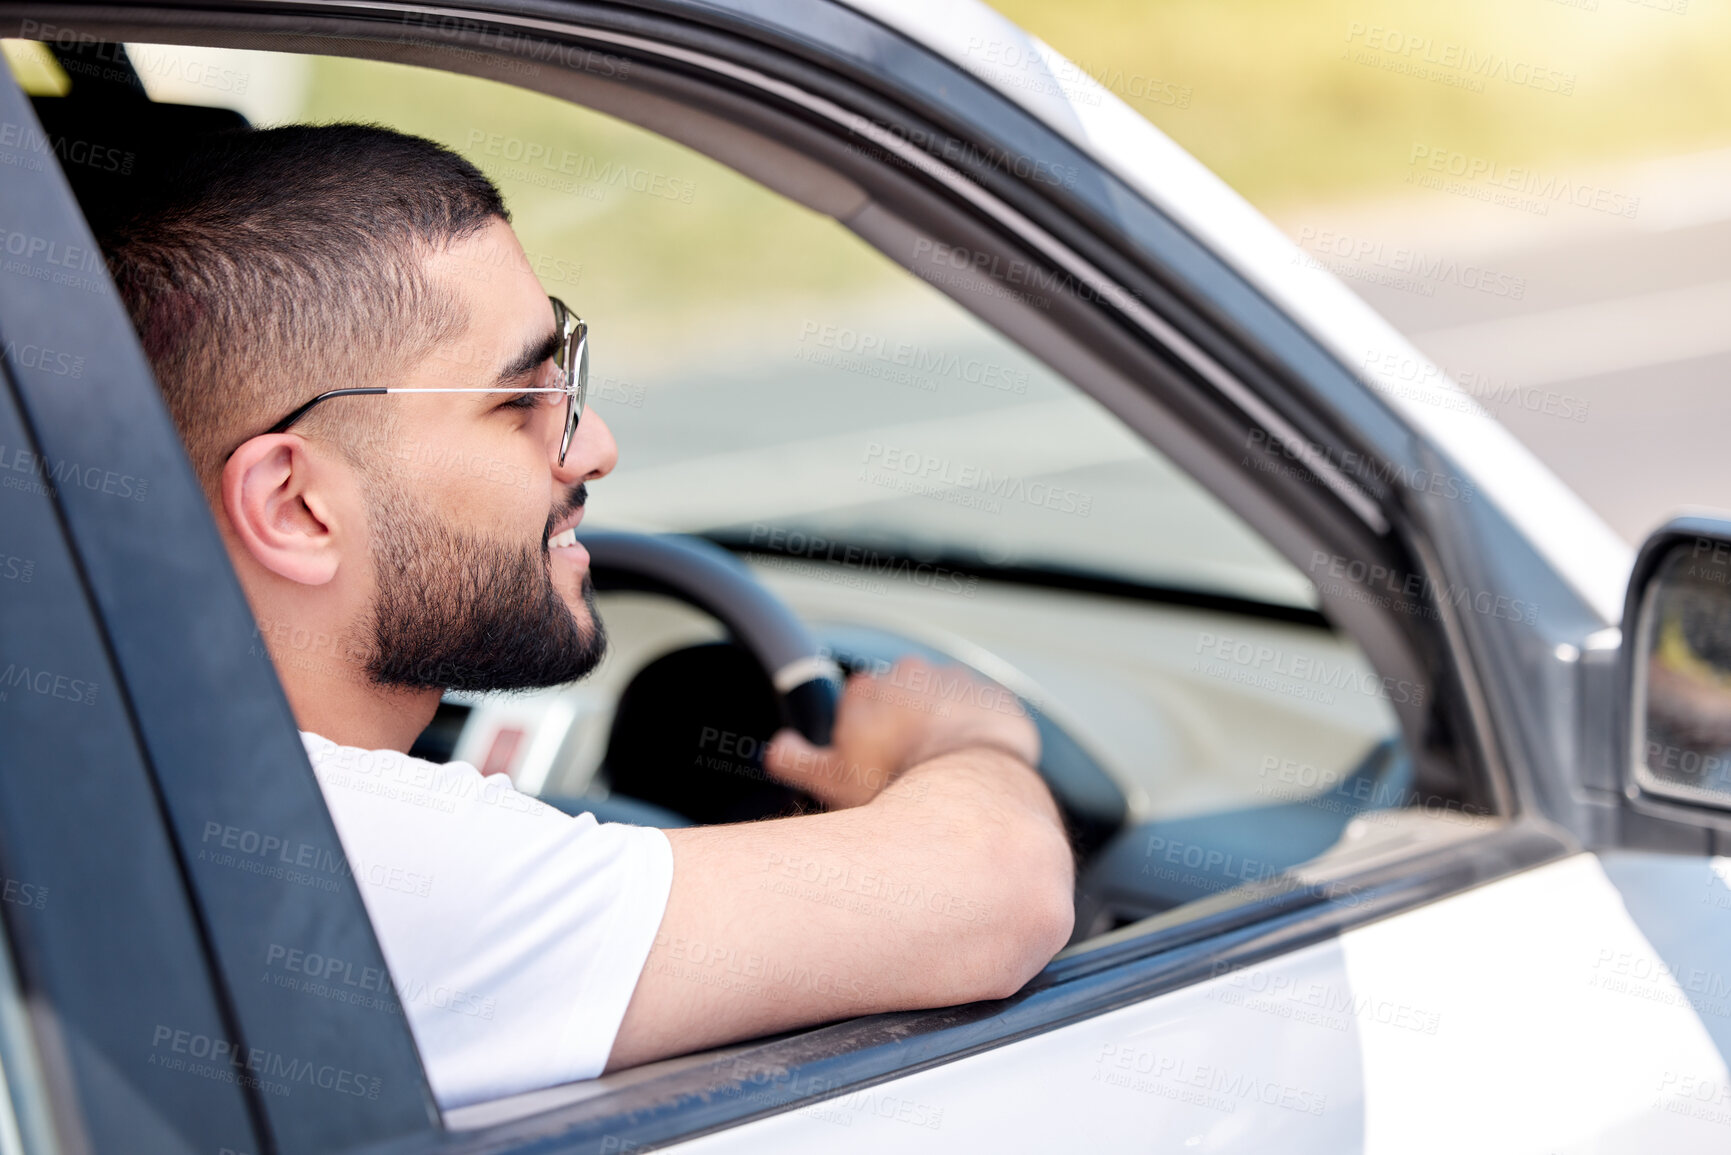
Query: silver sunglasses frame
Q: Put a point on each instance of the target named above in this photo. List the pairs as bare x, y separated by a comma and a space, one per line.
573, 350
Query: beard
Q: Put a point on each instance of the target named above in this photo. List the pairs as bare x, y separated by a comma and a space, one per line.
456, 611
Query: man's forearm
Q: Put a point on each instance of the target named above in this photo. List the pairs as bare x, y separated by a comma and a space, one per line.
978, 776
996, 811
954, 884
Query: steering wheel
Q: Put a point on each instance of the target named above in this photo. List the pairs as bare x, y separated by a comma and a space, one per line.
773, 672
807, 682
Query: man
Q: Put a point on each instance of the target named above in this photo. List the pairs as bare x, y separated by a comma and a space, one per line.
425, 533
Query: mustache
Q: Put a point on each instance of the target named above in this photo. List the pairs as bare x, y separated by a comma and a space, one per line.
576, 500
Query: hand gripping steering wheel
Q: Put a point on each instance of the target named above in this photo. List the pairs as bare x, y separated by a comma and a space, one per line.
807, 682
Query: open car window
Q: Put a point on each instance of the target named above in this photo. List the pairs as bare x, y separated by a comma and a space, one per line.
885, 460
909, 479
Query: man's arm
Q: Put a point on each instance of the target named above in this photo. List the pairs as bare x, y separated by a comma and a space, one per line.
940, 875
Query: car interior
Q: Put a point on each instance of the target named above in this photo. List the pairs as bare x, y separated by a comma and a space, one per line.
828, 463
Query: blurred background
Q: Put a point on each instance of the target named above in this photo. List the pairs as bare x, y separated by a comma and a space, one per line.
1538, 192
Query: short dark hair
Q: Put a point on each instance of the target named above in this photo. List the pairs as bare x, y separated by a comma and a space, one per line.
265, 266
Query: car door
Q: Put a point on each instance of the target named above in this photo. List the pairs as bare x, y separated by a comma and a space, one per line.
158, 803
1318, 1014
103, 939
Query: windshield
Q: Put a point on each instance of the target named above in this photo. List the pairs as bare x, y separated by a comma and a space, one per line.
923, 435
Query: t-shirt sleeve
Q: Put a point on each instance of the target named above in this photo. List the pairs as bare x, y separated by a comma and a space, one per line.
514, 933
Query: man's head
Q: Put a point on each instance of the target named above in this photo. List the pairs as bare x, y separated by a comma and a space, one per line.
271, 266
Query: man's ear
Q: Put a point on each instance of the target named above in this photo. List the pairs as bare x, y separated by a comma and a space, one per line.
274, 492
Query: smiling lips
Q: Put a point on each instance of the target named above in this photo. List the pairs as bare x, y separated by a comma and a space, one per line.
567, 535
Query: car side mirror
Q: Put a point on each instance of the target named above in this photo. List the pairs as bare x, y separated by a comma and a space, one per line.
1676, 663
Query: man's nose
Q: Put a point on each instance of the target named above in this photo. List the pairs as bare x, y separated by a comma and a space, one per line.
592, 455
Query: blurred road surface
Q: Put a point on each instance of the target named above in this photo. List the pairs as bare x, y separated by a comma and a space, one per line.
1590, 312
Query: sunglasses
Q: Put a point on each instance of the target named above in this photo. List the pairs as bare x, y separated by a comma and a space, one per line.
571, 358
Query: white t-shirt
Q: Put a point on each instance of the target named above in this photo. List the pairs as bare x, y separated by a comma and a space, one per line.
514, 933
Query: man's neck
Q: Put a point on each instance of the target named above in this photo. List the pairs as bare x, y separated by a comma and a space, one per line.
370, 716
319, 644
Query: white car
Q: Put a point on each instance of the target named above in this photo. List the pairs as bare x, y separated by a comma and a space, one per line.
1397, 781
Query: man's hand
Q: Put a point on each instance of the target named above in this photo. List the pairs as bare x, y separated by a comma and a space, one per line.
886, 725
958, 888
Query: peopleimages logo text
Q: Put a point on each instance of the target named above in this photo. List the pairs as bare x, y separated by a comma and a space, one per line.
217, 1057
931, 475
65, 472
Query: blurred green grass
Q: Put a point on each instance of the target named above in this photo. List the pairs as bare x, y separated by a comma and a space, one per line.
694, 246
1277, 110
